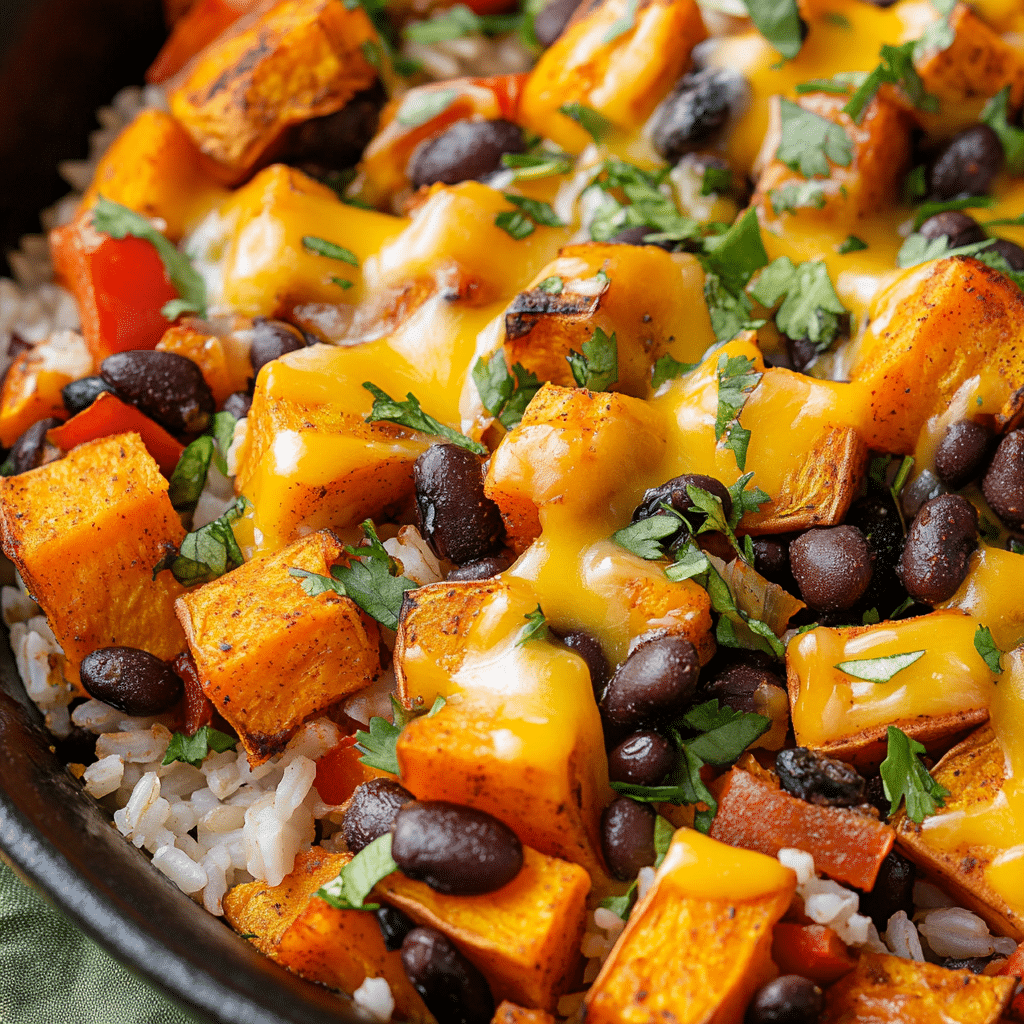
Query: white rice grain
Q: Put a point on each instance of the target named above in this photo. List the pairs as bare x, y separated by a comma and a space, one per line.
103, 777
186, 874
902, 938
140, 745
956, 932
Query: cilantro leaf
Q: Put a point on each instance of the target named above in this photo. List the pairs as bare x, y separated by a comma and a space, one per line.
926, 210
730, 311
553, 285
206, 553
189, 476
851, 243
644, 536
737, 377
372, 864
321, 247
837, 86
117, 221
725, 733
424, 104
690, 562
504, 395
810, 309
780, 23
457, 22
715, 180
879, 670
622, 25
531, 212
809, 141
378, 746
985, 645
514, 223
666, 368
530, 166
410, 414
895, 67
996, 117
223, 431
743, 500
737, 253
598, 366
904, 777
194, 749
808, 194
594, 124
536, 627
369, 579
918, 249
621, 905
314, 583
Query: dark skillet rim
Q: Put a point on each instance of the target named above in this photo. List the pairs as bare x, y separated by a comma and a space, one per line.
62, 842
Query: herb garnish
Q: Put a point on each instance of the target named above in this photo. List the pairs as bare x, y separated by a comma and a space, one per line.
715, 180
410, 414
322, 247
811, 309
851, 243
424, 104
598, 366
594, 124
370, 865
536, 627
806, 195
530, 166
189, 476
207, 553
666, 368
530, 213
919, 249
194, 749
985, 645
504, 395
879, 670
553, 285
379, 745
737, 378
457, 22
809, 141
905, 777
895, 67
780, 23
996, 117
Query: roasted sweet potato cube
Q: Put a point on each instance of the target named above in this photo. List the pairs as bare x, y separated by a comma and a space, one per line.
698, 944
890, 990
936, 327
337, 948
269, 655
974, 772
754, 814
85, 532
621, 74
223, 362
509, 1013
524, 937
936, 699
299, 59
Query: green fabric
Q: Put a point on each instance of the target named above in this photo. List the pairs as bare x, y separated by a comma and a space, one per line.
50, 973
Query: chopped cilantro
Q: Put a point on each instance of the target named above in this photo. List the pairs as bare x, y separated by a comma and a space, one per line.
514, 223
189, 476
504, 395
807, 194
531, 212
995, 115
715, 180
457, 22
904, 777
851, 244
986, 647
410, 414
424, 104
593, 123
372, 864
926, 210
223, 431
809, 141
321, 247
536, 627
530, 166
737, 377
918, 249
811, 309
598, 366
836, 86
780, 23
553, 285
879, 670
206, 553
194, 749
666, 368
895, 67
643, 538
729, 260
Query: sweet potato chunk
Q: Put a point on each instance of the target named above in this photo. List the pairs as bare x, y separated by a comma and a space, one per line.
297, 60
509, 1013
890, 990
270, 656
698, 944
974, 773
525, 937
337, 948
85, 532
223, 362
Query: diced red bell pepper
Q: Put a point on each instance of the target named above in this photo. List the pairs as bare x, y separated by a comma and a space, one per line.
120, 285
810, 950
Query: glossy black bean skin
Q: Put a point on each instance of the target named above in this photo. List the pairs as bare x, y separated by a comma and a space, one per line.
655, 684
962, 453
818, 779
394, 926
643, 759
81, 393
456, 850
587, 646
466, 151
133, 681
674, 492
271, 339
1010, 251
957, 227
481, 569
372, 811
1003, 483
941, 539
786, 1000
458, 520
968, 164
165, 386
735, 685
238, 403
550, 22
627, 837
695, 110
453, 989
893, 891
832, 566
336, 140
28, 451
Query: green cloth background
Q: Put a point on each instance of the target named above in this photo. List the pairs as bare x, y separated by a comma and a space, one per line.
50, 973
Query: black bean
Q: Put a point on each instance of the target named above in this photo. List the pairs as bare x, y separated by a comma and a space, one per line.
643, 759
968, 164
893, 890
771, 558
942, 537
238, 403
1003, 483
29, 450
588, 647
696, 109
1010, 251
336, 140
460, 851
133, 681
877, 517
735, 685
925, 487
957, 227
481, 569
458, 520
974, 964
550, 22
803, 353
674, 492
962, 453
832, 566
165, 386
654, 684
394, 926
271, 339
453, 989
819, 779
465, 151
81, 393
372, 811
790, 999
627, 837
875, 795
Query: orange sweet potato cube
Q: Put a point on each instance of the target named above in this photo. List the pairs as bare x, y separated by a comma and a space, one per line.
269, 655
85, 532
510, 1013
